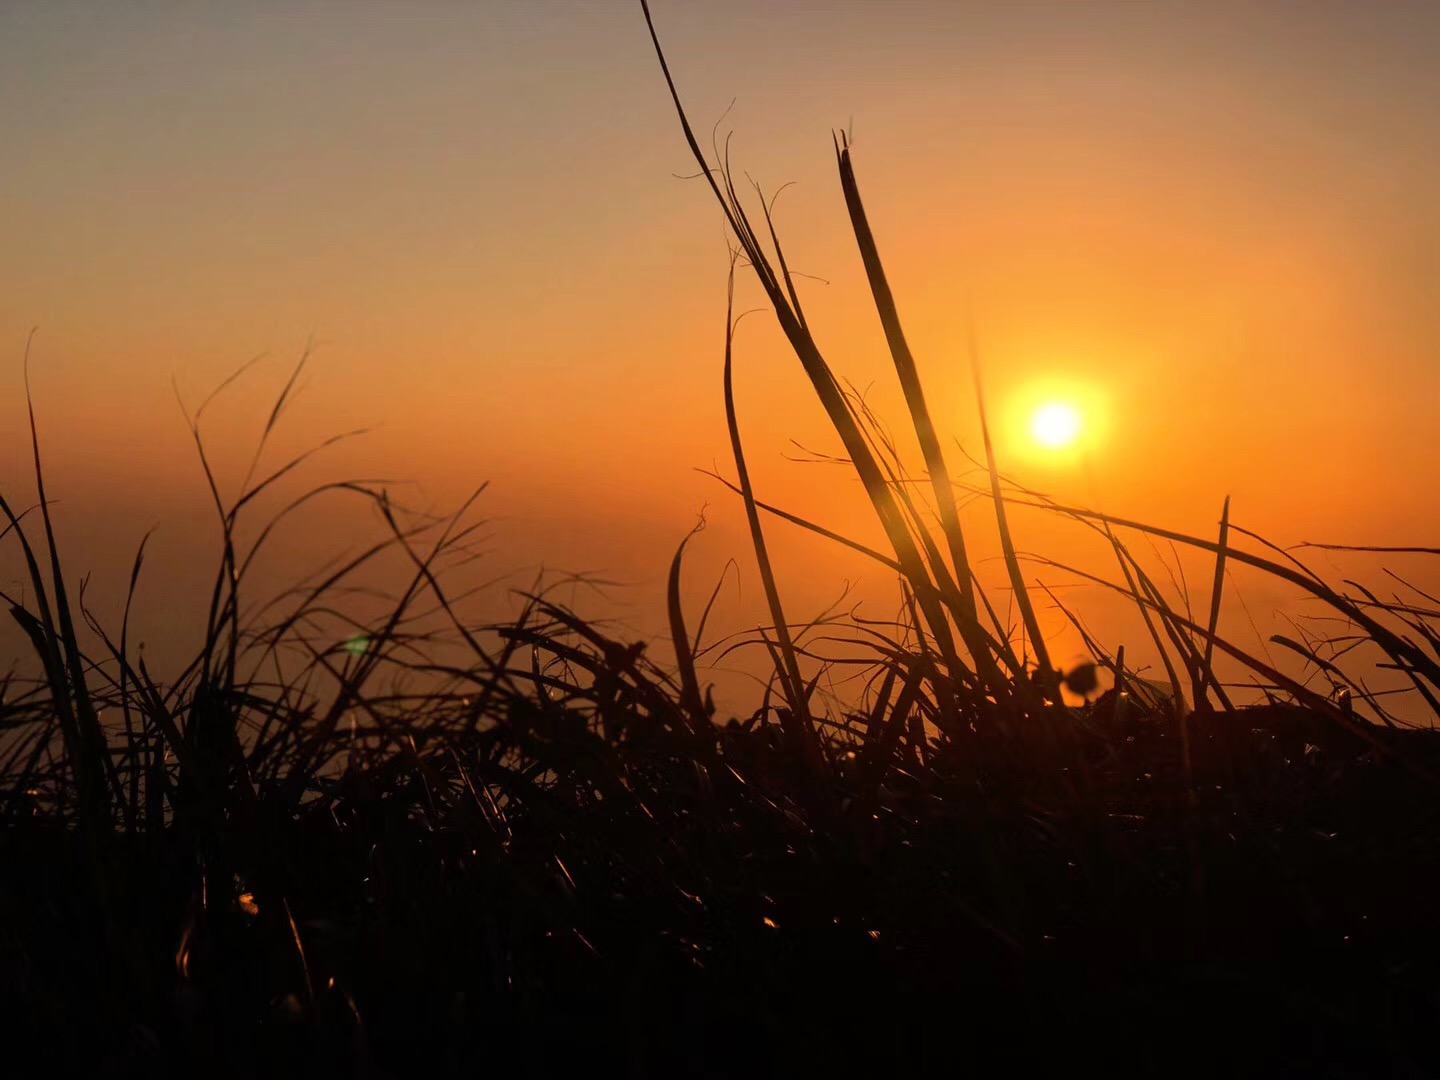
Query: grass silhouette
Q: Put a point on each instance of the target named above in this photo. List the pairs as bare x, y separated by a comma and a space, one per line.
342, 844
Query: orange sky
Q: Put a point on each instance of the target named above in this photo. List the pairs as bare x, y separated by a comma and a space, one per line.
1216, 220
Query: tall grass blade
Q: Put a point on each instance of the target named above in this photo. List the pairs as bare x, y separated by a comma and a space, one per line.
690, 699
1207, 672
1045, 674
90, 752
914, 391
827, 389
801, 729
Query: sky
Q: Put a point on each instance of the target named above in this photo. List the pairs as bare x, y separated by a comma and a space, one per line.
1212, 225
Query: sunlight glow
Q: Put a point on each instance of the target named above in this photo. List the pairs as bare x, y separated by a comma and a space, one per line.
1056, 425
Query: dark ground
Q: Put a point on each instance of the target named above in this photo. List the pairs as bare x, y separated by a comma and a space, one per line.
990, 920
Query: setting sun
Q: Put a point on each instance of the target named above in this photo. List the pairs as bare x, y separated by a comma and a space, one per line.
1056, 425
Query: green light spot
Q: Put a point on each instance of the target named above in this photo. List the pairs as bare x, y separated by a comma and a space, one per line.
357, 645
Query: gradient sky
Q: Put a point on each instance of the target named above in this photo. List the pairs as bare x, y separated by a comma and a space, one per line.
1216, 221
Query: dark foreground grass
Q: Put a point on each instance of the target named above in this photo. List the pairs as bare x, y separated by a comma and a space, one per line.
388, 842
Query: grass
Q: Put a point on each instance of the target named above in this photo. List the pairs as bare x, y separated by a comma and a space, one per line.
374, 844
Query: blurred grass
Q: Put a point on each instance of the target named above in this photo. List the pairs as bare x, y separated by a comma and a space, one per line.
350, 842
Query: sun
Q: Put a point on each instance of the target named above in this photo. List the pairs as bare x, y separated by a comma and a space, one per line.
1056, 425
